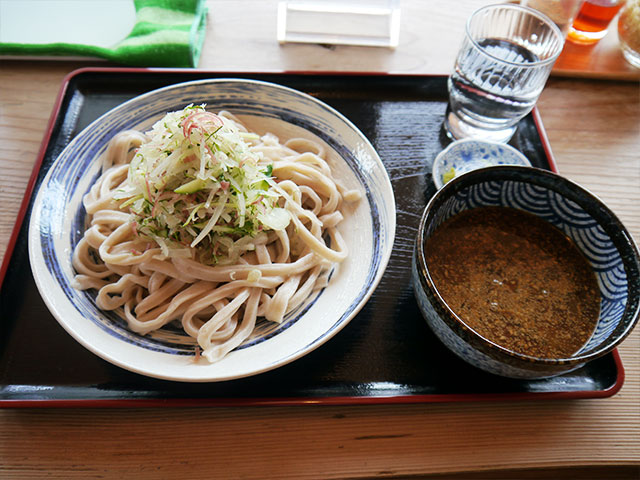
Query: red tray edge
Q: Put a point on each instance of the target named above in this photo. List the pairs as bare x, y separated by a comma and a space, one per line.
320, 401
196, 402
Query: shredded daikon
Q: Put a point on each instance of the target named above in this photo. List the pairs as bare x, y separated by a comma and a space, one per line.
197, 183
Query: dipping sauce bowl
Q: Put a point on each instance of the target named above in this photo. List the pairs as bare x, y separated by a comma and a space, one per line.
580, 218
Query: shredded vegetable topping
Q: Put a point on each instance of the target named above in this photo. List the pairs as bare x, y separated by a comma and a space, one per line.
196, 183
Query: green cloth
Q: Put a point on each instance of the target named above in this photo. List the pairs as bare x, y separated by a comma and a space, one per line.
167, 33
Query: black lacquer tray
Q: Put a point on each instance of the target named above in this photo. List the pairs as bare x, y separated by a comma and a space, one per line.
386, 354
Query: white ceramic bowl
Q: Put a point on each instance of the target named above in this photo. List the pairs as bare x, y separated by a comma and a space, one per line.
57, 224
466, 155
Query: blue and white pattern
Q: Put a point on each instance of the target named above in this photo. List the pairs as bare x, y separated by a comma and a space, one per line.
58, 221
581, 217
466, 155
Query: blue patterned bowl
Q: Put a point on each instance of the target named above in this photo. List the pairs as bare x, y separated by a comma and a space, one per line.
462, 156
592, 226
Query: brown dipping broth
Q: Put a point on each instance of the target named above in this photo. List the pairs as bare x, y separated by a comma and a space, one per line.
516, 280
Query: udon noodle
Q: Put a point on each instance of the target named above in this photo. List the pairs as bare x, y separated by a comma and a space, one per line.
203, 223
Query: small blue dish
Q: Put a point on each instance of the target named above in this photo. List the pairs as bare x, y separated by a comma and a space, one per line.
465, 155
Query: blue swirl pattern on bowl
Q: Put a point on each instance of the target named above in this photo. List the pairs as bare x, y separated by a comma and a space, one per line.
596, 231
59, 219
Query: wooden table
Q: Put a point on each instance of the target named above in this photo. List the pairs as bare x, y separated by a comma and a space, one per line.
594, 130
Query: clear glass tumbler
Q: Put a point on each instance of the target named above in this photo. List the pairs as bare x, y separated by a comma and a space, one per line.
629, 32
562, 12
503, 64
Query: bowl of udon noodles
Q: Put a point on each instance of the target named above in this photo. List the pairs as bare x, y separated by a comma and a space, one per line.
523, 273
212, 230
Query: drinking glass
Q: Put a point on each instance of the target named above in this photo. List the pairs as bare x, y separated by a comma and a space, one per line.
503, 64
562, 12
629, 32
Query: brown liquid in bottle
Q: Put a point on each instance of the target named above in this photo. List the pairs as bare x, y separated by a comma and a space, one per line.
591, 23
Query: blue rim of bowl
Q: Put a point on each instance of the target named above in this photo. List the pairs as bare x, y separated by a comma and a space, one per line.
611, 224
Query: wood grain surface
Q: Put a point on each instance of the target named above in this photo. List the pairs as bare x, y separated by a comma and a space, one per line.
593, 126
